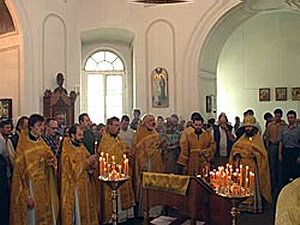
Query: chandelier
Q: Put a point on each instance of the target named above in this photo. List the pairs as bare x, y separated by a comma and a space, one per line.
161, 1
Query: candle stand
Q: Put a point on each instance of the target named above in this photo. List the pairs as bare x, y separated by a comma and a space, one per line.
114, 185
235, 201
234, 184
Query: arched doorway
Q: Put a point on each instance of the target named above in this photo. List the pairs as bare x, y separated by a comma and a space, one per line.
216, 42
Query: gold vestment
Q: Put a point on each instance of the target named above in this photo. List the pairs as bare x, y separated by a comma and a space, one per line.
33, 177
196, 152
75, 178
114, 146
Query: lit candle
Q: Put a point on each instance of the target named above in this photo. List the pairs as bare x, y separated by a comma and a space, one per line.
100, 166
247, 170
247, 186
105, 167
252, 182
95, 146
127, 167
241, 175
113, 159
107, 157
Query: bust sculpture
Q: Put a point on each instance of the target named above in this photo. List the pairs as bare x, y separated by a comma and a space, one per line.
60, 81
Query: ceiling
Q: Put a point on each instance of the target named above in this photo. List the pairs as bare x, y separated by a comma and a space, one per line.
107, 35
160, 1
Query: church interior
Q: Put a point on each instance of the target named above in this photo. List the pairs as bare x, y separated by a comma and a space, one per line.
158, 56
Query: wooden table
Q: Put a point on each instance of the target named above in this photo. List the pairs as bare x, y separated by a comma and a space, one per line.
200, 203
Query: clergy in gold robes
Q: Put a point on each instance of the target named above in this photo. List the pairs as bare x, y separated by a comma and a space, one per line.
147, 154
288, 205
34, 198
78, 196
114, 146
249, 150
197, 147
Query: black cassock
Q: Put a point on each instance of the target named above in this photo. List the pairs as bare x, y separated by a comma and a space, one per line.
4, 192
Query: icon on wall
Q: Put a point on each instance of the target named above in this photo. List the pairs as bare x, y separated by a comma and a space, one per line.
6, 108
281, 94
296, 94
264, 94
208, 104
160, 88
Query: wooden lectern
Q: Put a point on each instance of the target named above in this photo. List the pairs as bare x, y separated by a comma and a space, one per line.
199, 203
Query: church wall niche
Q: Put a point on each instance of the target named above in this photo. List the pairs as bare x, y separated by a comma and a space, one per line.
54, 49
160, 52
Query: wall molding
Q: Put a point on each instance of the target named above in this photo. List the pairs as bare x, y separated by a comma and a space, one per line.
148, 78
48, 17
7, 49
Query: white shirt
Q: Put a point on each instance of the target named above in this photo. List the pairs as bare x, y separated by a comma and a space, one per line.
127, 136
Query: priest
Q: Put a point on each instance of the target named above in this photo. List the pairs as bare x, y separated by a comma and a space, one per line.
78, 192
34, 198
249, 150
117, 150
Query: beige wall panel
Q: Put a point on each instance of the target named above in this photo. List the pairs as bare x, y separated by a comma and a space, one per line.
54, 50
160, 52
10, 77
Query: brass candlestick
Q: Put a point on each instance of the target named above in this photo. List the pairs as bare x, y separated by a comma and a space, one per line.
114, 185
235, 201
235, 184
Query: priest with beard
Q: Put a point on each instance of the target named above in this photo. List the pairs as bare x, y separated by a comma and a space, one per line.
112, 145
249, 150
147, 147
78, 192
197, 147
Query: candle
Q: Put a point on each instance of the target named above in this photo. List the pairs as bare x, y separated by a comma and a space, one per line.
127, 167
104, 167
247, 186
240, 179
252, 182
100, 161
105, 171
113, 159
95, 146
241, 175
107, 157
247, 169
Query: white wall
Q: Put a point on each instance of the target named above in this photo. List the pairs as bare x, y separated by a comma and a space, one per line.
51, 33
11, 67
264, 52
169, 36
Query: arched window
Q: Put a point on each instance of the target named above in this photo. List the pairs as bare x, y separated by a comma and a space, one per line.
104, 73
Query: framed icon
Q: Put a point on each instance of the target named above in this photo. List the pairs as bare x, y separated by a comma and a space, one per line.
296, 94
160, 88
281, 94
264, 94
6, 108
208, 104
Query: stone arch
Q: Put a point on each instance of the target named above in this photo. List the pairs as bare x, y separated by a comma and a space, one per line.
209, 35
14, 47
6, 21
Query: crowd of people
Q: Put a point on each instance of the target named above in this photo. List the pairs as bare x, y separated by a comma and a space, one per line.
49, 171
